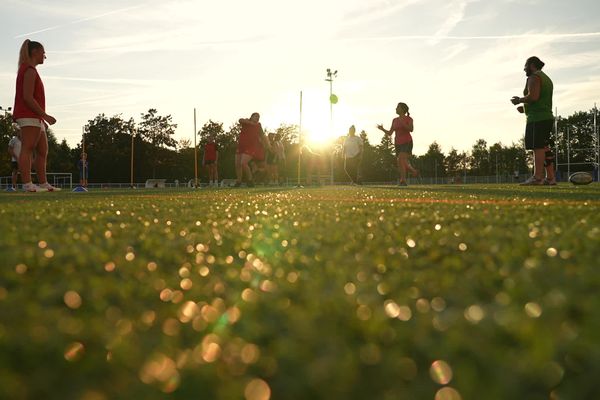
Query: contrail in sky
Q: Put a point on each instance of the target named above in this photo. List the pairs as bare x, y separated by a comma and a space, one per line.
79, 21
490, 37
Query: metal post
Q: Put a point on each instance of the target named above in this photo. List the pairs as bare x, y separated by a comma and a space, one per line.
133, 132
568, 152
497, 177
83, 150
331, 124
300, 141
195, 153
556, 141
597, 137
330, 78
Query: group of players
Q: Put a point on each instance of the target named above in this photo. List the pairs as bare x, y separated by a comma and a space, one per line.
261, 158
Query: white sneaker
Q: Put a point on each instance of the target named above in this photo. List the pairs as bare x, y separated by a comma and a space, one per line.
49, 187
532, 181
31, 188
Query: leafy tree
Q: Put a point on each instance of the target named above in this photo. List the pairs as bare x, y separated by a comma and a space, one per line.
576, 141
158, 131
453, 163
183, 144
7, 131
108, 147
480, 158
368, 170
432, 163
386, 160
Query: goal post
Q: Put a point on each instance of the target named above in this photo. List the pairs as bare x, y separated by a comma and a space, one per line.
62, 180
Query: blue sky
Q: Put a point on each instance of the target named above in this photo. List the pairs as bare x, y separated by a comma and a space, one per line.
455, 62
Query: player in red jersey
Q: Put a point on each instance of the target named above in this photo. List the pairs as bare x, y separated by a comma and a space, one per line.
402, 126
30, 114
210, 160
251, 146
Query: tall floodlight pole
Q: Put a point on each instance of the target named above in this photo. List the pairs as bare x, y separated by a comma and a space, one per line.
195, 153
300, 141
332, 100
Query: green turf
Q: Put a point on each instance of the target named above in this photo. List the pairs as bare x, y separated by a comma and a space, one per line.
328, 293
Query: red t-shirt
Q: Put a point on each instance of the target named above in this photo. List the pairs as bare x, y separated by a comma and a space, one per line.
21, 110
402, 134
210, 151
249, 141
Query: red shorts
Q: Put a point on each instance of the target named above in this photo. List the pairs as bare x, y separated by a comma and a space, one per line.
244, 149
259, 154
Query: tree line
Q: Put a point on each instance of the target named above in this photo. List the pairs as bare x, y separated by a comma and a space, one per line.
157, 154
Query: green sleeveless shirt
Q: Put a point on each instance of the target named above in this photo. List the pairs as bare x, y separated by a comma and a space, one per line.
541, 110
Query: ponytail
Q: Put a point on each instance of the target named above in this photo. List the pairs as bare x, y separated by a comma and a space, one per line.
405, 107
26, 48
24, 53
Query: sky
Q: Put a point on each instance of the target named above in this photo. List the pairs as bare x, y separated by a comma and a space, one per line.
456, 63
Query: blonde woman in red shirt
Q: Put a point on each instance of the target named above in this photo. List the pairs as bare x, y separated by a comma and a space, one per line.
30, 114
402, 126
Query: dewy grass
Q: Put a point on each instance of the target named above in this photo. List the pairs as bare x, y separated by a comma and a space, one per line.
476, 292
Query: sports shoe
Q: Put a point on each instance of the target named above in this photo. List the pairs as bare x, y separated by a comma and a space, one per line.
11, 189
532, 181
31, 188
549, 183
403, 184
237, 184
49, 187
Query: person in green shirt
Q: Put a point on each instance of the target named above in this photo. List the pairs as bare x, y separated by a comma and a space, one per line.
537, 106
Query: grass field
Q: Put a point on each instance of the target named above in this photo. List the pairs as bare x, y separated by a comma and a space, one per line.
445, 293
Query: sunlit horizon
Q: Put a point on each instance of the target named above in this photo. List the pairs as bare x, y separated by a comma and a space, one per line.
455, 63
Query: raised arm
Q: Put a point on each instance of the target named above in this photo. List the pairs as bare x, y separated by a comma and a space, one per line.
387, 132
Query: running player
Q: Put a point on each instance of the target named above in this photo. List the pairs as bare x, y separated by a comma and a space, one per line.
30, 114
537, 106
249, 148
402, 126
210, 160
352, 150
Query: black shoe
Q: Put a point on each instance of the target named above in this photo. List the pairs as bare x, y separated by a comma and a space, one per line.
237, 184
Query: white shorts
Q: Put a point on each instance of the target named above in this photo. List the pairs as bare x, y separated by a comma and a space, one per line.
23, 122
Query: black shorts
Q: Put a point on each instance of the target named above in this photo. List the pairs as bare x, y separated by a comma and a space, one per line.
14, 165
404, 148
538, 134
